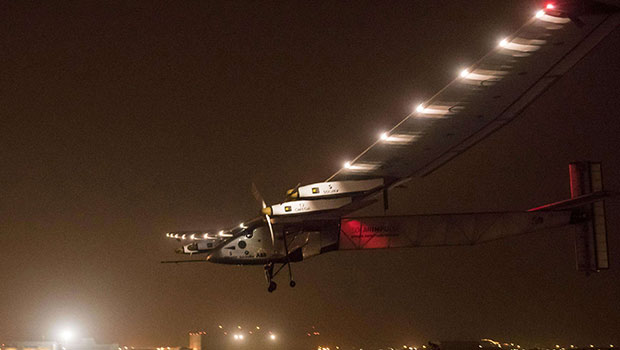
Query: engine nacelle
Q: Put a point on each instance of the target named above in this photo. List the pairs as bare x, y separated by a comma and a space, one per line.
201, 246
334, 189
306, 206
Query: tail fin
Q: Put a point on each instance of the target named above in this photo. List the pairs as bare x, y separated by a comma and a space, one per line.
591, 238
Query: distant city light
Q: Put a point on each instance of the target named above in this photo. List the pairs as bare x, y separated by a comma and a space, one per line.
540, 13
347, 165
464, 73
503, 43
420, 108
272, 336
384, 136
550, 6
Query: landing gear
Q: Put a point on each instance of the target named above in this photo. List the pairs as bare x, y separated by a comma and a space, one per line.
270, 274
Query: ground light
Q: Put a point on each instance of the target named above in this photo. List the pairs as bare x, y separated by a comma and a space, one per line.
66, 335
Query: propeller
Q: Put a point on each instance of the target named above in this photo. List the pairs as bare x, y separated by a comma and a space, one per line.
260, 199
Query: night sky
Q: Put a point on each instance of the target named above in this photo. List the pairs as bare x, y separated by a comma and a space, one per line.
121, 121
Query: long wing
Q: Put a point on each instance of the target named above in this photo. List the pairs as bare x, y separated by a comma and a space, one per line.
485, 97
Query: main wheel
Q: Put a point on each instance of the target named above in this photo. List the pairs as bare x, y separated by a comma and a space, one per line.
292, 284
272, 286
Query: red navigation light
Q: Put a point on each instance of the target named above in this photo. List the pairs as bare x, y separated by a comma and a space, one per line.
550, 6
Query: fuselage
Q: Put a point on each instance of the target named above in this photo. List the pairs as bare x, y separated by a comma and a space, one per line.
253, 245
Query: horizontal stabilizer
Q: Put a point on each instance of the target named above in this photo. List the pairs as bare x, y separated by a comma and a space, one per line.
575, 202
182, 261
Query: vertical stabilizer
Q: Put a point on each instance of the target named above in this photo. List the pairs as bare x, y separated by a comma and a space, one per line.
591, 236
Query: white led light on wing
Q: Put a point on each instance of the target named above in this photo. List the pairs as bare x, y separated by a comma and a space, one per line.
362, 166
401, 139
522, 45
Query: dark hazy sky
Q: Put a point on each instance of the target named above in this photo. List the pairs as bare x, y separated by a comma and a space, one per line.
123, 120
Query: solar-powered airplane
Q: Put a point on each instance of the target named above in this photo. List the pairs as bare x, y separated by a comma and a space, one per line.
315, 218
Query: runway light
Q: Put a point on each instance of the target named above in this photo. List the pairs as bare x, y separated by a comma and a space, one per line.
420, 108
464, 73
503, 43
540, 13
